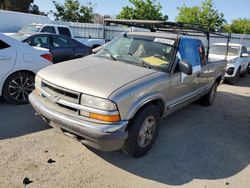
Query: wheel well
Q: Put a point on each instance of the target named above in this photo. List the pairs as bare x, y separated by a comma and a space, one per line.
157, 102
218, 80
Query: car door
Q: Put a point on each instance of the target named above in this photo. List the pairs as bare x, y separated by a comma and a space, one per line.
184, 88
62, 48
7, 60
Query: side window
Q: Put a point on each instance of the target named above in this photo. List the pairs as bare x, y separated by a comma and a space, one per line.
60, 41
48, 29
39, 41
3, 45
202, 52
244, 49
64, 31
188, 50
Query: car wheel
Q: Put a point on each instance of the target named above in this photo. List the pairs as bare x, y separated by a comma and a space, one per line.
143, 130
17, 88
209, 98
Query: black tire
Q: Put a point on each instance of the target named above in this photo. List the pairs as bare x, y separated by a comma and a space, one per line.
209, 98
17, 87
146, 121
234, 79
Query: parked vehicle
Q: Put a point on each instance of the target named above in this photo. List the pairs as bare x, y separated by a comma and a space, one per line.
19, 64
248, 51
63, 30
115, 99
12, 21
61, 47
237, 57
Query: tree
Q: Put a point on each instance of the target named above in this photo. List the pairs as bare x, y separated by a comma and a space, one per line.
240, 26
206, 14
73, 11
16, 5
142, 10
26, 6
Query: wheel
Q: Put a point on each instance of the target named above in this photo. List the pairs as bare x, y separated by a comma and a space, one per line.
234, 79
209, 98
245, 72
17, 87
143, 130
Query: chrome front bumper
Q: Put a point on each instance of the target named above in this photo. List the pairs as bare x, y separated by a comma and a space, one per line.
104, 137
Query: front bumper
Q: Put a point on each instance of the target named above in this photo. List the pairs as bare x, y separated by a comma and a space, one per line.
91, 133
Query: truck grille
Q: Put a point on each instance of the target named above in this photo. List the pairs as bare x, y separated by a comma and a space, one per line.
56, 93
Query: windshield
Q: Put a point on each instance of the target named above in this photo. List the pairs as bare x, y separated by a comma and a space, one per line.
30, 29
149, 52
222, 50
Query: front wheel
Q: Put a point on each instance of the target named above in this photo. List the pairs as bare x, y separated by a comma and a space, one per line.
17, 88
143, 130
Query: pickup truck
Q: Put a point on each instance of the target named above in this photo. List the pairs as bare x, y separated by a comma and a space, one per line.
114, 99
63, 30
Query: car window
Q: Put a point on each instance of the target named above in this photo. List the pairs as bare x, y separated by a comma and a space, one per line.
3, 45
244, 50
64, 31
60, 41
39, 41
48, 29
189, 51
202, 52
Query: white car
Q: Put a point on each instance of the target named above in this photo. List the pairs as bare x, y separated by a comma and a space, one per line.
19, 63
238, 59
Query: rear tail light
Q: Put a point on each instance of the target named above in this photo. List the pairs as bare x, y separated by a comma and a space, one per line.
48, 57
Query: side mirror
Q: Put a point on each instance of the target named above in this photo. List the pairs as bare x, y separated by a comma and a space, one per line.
185, 67
244, 55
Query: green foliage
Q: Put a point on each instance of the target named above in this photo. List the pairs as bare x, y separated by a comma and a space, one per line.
206, 14
142, 10
240, 26
16, 5
73, 11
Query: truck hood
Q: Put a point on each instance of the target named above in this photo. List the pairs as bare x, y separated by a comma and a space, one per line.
215, 57
93, 75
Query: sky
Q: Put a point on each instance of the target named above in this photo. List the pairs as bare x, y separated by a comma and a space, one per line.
232, 9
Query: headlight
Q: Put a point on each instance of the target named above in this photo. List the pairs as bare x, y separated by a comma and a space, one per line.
102, 109
232, 61
99, 103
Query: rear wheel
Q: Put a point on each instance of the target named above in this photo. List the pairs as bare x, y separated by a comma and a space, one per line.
17, 87
209, 98
143, 130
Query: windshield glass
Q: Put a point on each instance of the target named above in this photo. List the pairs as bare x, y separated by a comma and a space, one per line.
30, 29
140, 51
222, 50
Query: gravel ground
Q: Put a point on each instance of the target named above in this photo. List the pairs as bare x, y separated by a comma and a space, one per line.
197, 147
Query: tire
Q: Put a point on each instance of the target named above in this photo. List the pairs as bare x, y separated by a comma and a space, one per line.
17, 87
142, 131
234, 79
209, 98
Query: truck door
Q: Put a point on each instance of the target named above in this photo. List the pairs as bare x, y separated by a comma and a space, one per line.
7, 59
185, 87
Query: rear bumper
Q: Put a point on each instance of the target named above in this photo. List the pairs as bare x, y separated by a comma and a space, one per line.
91, 133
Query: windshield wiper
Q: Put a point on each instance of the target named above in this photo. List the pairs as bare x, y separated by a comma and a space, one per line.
110, 53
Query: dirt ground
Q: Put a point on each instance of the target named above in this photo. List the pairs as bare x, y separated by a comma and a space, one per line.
197, 147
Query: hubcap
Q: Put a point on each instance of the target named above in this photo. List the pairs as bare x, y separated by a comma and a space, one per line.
147, 131
20, 88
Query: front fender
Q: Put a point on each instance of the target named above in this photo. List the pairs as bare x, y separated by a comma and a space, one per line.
143, 101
